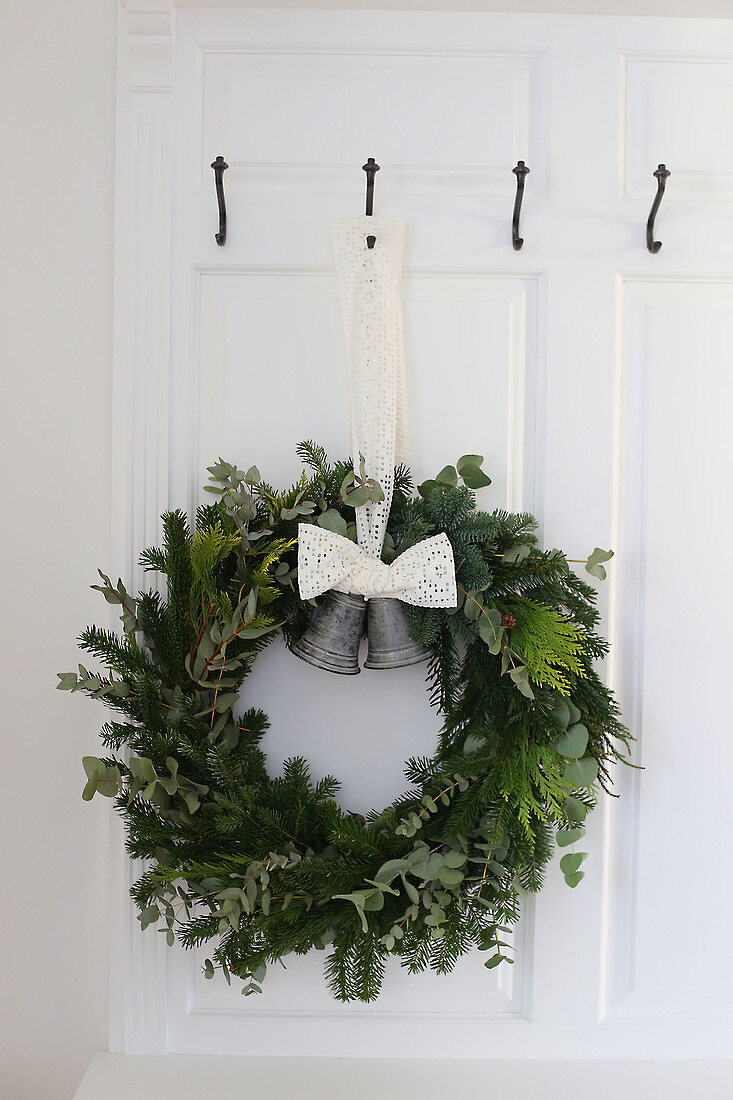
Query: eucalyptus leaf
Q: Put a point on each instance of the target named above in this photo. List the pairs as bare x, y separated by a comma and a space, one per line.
571, 862
473, 606
376, 493
454, 859
225, 700
474, 478
358, 497
332, 520
582, 773
574, 810
92, 765
108, 784
517, 553
149, 915
90, 789
593, 564
450, 876
347, 483
448, 475
520, 676
474, 743
573, 742
494, 961
565, 837
574, 878
469, 460
390, 870
192, 801
257, 631
490, 629
561, 715
410, 890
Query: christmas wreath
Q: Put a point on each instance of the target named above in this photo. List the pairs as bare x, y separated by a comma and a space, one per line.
266, 865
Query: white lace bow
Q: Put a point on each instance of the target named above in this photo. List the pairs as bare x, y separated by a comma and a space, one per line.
423, 575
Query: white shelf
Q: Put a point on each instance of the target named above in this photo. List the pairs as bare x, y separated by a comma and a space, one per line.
187, 1077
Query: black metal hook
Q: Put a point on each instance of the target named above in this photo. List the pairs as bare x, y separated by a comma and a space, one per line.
220, 166
371, 168
520, 172
662, 174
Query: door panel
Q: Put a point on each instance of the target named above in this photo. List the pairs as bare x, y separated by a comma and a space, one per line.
661, 91
271, 349
299, 119
672, 646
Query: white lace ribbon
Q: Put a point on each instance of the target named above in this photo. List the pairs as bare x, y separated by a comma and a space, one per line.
370, 284
423, 575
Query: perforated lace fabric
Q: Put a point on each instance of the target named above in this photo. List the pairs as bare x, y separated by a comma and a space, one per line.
424, 574
370, 283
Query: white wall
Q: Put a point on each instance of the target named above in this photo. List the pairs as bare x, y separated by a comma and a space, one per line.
57, 83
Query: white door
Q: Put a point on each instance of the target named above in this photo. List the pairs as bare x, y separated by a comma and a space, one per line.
590, 373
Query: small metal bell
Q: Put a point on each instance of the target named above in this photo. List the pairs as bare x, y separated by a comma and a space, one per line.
332, 639
390, 644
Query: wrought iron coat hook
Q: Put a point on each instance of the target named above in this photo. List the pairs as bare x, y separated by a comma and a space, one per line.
520, 172
662, 174
371, 168
220, 166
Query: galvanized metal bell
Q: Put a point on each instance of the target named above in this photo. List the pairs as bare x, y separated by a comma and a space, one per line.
332, 639
390, 644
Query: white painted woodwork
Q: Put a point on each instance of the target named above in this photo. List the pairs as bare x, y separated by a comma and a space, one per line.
181, 1077
592, 375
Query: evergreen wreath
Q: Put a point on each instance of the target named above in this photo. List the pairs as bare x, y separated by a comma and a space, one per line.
266, 866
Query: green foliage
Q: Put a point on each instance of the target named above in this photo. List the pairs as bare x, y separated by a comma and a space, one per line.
210, 548
261, 866
593, 564
547, 643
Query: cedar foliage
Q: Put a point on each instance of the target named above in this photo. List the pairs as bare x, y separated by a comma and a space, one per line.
264, 866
